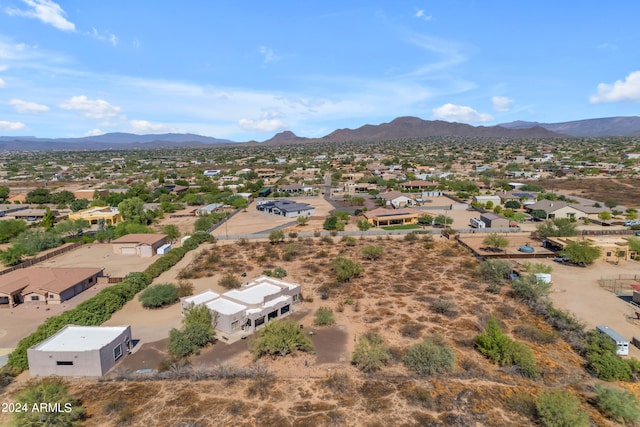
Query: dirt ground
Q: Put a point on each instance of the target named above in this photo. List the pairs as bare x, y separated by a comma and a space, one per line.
576, 289
624, 191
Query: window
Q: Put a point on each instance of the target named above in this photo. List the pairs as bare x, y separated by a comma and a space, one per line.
284, 309
296, 297
117, 352
235, 325
259, 321
35, 298
272, 315
64, 363
50, 296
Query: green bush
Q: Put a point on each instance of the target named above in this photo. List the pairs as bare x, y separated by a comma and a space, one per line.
603, 361
229, 281
324, 317
560, 409
530, 288
502, 350
619, 405
51, 390
197, 331
371, 354
372, 252
345, 268
430, 357
159, 295
279, 338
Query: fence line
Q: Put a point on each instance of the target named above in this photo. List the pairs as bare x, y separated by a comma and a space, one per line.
32, 261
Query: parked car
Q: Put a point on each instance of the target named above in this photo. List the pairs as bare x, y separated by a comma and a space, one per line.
632, 222
561, 259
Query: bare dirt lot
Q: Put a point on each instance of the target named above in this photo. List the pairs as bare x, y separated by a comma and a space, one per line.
625, 192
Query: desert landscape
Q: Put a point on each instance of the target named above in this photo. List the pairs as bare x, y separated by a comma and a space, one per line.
418, 288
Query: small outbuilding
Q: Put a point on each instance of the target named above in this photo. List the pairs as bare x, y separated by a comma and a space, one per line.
142, 245
80, 351
492, 220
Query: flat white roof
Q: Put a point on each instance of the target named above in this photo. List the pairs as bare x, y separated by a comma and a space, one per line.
275, 301
201, 298
254, 294
224, 306
81, 338
272, 280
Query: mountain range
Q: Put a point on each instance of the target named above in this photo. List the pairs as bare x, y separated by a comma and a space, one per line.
399, 128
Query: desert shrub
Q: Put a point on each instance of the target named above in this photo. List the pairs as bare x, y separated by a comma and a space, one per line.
159, 295
326, 240
279, 272
560, 409
185, 288
324, 317
276, 236
229, 281
619, 405
371, 354
445, 306
372, 252
530, 288
411, 237
345, 268
494, 271
197, 331
522, 403
430, 357
502, 350
338, 382
533, 333
349, 240
279, 338
188, 340
51, 390
411, 330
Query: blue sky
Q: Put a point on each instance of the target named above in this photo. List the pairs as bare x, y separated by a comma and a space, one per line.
246, 70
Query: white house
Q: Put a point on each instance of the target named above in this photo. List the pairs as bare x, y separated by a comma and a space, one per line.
254, 304
80, 351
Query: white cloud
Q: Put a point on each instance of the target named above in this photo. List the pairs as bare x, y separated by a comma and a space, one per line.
460, 113
2, 82
627, 90
3, 68
502, 104
423, 15
144, 126
46, 11
268, 55
28, 107
92, 108
94, 132
104, 36
263, 125
5, 125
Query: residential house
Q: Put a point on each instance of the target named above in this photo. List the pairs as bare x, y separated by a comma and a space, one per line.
383, 217
142, 245
420, 185
110, 216
396, 199
285, 208
80, 351
254, 304
43, 285
209, 209
483, 199
555, 209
